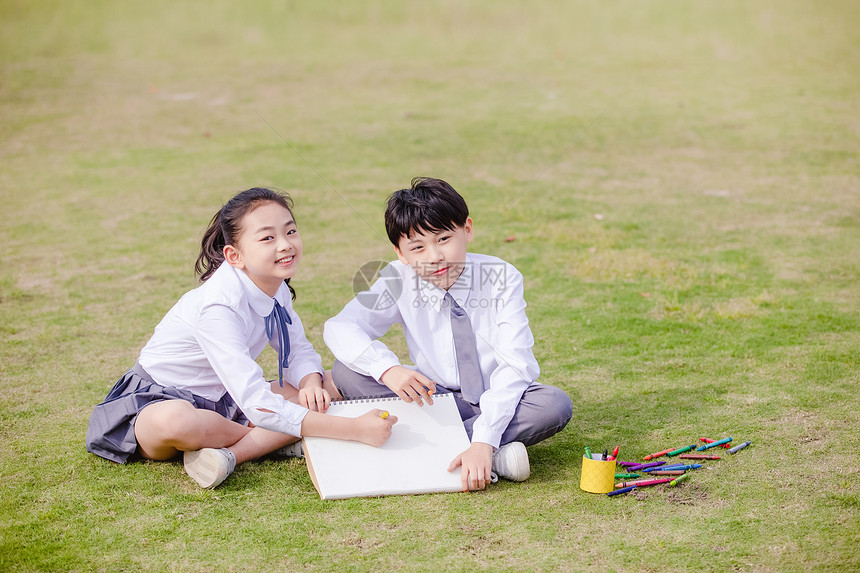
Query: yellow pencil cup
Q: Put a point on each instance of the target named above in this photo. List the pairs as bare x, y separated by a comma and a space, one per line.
598, 476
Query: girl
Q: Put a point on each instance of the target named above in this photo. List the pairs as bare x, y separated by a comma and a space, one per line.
196, 387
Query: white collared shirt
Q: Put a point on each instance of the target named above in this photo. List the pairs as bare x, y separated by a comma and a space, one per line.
209, 341
489, 290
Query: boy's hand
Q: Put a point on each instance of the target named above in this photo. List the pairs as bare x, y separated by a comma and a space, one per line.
312, 395
476, 464
409, 384
373, 429
314, 398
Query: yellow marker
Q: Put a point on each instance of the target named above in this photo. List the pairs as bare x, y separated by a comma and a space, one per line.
383, 415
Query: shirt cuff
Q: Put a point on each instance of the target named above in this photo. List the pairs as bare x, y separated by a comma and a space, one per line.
298, 371
287, 421
486, 436
381, 367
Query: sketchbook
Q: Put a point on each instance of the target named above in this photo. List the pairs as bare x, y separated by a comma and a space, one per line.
414, 460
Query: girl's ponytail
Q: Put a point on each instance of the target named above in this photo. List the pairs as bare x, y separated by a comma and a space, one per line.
211, 249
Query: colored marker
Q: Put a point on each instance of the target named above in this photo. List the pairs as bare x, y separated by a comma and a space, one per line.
588, 452
739, 447
713, 444
698, 457
667, 468
622, 490
657, 455
628, 476
627, 464
639, 467
643, 482
680, 450
662, 472
605, 454
679, 479
678, 467
383, 415
710, 441
614, 453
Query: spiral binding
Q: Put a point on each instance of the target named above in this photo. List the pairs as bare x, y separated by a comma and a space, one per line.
382, 399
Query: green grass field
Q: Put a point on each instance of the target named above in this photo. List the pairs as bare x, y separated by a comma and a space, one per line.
681, 181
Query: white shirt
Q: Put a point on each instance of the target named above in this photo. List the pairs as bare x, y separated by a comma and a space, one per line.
489, 290
209, 341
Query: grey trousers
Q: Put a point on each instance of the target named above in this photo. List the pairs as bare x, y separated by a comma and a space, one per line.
543, 410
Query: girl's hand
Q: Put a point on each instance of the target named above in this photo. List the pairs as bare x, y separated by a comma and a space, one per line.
373, 429
409, 384
314, 398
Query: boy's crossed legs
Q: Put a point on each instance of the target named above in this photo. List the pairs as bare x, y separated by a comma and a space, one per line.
543, 410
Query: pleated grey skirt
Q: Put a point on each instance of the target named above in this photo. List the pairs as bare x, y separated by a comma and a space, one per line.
111, 430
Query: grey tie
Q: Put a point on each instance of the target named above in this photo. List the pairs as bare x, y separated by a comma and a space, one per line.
471, 382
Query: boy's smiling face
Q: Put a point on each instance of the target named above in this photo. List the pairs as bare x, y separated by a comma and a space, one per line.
437, 257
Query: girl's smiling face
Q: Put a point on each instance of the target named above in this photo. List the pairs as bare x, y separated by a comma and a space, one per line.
269, 248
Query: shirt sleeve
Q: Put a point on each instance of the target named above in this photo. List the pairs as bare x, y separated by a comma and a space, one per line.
352, 334
220, 332
516, 367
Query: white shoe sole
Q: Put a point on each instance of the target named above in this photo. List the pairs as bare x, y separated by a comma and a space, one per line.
208, 467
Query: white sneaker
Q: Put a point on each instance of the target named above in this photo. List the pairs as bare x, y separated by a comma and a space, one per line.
294, 450
209, 466
511, 462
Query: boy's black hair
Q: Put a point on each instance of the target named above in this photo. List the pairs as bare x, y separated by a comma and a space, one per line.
430, 205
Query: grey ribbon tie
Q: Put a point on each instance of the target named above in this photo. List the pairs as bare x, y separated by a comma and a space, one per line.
471, 381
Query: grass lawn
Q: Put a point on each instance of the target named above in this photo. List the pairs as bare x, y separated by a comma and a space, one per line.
679, 182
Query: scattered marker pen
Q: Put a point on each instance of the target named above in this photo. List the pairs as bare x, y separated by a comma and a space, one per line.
739, 447
639, 467
677, 467
622, 490
713, 444
678, 480
632, 483
657, 455
681, 450
643, 482
698, 457
710, 441
628, 476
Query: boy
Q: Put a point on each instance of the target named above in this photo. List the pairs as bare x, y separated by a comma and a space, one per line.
466, 330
